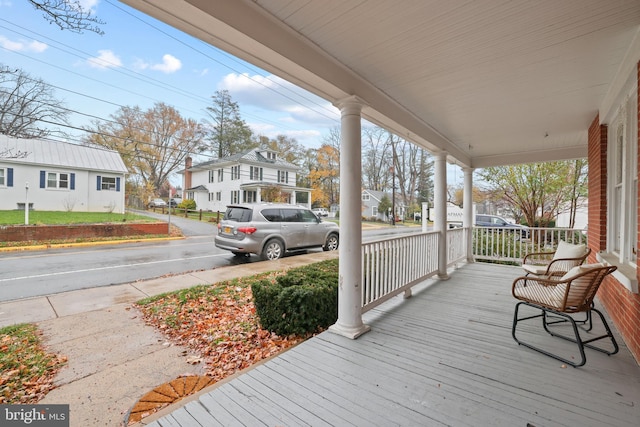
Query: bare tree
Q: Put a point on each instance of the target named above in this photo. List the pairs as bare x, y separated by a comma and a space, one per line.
68, 15
376, 159
539, 190
28, 105
153, 143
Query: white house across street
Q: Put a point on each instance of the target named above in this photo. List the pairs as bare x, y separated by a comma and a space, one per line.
59, 176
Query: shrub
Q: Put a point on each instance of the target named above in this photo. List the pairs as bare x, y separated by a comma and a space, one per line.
302, 301
187, 204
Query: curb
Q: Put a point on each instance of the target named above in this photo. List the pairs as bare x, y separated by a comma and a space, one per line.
84, 244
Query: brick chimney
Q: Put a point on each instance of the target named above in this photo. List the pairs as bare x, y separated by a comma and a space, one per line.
187, 173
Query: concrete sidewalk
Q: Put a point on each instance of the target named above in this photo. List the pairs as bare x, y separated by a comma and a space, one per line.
114, 358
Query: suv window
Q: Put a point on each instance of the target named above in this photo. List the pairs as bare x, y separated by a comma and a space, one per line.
272, 215
308, 216
291, 215
238, 214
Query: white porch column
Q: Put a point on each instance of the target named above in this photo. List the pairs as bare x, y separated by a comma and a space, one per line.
440, 206
349, 322
258, 194
468, 211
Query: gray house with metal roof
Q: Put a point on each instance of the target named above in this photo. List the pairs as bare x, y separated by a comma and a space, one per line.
59, 176
243, 178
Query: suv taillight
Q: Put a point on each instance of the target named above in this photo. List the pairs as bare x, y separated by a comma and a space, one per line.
247, 230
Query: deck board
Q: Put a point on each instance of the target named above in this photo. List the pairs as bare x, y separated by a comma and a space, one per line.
443, 357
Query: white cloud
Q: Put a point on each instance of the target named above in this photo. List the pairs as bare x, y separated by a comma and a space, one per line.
105, 59
277, 95
170, 64
86, 5
36, 46
22, 46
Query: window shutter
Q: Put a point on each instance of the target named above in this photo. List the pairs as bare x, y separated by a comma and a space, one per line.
73, 181
99, 183
9, 177
118, 184
260, 174
43, 178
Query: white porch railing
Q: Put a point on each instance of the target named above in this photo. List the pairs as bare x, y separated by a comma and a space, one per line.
499, 244
392, 266
456, 245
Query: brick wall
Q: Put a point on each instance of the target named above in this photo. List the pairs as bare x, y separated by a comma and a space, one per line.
597, 210
21, 233
622, 305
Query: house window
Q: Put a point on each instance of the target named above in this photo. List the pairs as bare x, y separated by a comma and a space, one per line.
108, 183
283, 177
235, 196
220, 175
366, 197
211, 196
57, 180
103, 183
255, 173
374, 211
271, 155
6, 177
250, 197
623, 193
218, 196
235, 172
211, 176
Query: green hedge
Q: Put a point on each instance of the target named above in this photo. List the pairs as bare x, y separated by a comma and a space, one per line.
303, 301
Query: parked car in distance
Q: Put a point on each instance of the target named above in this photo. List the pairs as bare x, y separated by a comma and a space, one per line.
501, 223
269, 230
320, 212
157, 203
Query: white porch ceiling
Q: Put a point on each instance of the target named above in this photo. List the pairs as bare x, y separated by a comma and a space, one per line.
491, 82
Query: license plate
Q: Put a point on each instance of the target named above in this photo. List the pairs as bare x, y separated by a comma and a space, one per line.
227, 229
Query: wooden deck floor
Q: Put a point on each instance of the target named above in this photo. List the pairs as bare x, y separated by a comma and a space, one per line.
443, 357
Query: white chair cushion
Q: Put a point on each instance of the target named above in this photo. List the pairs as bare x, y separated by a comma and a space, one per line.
535, 269
568, 250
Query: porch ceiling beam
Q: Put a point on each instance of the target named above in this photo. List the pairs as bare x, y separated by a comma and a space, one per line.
549, 155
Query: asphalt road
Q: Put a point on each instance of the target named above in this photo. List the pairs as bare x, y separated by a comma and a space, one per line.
36, 273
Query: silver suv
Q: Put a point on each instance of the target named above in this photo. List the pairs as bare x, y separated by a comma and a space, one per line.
270, 230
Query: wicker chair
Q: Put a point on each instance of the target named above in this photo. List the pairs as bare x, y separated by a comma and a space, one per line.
556, 263
557, 299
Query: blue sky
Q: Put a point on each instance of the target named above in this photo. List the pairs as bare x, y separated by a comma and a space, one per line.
141, 61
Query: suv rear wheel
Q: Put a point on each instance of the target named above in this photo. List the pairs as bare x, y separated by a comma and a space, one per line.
272, 250
332, 242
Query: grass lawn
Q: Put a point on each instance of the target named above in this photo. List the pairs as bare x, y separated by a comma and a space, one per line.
16, 217
26, 368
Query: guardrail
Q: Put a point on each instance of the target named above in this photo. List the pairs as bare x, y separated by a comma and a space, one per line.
511, 245
456, 245
392, 266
